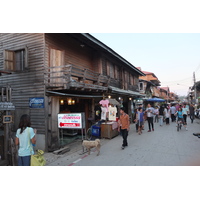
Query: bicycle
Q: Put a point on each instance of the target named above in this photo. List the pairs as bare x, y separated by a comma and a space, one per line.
179, 124
94, 130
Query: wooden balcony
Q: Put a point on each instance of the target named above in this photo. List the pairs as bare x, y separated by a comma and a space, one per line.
75, 77
133, 88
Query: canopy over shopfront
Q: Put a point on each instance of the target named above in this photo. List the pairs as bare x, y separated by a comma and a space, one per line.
125, 92
156, 100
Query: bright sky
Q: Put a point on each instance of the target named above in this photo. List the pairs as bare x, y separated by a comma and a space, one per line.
172, 57
162, 37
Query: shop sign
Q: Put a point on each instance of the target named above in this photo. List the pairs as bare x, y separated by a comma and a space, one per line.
37, 102
7, 106
7, 119
70, 120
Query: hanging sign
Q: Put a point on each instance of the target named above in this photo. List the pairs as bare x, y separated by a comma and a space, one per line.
71, 120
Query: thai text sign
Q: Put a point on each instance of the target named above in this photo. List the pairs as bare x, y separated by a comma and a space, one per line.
37, 102
7, 106
70, 120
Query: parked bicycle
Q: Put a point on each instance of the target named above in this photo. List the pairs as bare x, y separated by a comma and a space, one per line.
94, 131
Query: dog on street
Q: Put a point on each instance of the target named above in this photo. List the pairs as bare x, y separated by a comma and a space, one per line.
91, 144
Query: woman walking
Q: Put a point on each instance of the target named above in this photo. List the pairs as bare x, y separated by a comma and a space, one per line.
140, 120
156, 112
185, 113
25, 137
167, 115
161, 115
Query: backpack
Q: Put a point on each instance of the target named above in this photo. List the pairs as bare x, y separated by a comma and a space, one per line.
161, 111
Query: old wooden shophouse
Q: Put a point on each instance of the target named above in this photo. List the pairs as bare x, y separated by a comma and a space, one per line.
60, 73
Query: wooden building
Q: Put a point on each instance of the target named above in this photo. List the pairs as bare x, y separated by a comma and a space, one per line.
61, 72
148, 84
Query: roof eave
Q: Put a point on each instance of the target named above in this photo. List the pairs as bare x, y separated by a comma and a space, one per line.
108, 49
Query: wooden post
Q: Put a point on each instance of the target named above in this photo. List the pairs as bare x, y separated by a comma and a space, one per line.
6, 133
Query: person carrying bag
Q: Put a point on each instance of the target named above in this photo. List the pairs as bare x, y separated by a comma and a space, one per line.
38, 158
24, 137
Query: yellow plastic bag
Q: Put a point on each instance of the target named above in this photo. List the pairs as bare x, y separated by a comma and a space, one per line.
38, 159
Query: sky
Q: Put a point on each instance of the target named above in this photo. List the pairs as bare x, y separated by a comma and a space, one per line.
172, 57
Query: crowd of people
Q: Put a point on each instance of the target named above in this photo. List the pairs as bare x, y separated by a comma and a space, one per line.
163, 113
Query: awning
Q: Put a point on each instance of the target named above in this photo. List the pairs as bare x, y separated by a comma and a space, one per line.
125, 92
74, 95
156, 100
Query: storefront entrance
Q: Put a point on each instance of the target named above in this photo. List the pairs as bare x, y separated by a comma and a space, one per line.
59, 137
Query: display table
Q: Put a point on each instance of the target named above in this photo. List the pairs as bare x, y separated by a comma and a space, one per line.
109, 130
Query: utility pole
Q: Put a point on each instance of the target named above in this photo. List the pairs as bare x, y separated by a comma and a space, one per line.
195, 91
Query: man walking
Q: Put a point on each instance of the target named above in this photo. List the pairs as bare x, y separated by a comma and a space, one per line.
124, 126
150, 112
192, 109
173, 111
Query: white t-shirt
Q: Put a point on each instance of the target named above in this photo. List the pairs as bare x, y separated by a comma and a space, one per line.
24, 144
150, 114
103, 113
112, 113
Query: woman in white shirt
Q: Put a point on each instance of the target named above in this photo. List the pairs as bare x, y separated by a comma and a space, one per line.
167, 115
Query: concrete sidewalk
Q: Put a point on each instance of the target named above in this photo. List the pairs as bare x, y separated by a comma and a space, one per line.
162, 147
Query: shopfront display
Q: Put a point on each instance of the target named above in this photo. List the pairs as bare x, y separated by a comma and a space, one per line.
109, 130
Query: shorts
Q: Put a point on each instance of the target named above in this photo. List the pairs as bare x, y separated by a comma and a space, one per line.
140, 124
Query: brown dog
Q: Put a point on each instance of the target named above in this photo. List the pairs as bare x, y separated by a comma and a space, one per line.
91, 144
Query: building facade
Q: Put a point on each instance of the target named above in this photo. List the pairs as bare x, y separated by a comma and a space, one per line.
58, 73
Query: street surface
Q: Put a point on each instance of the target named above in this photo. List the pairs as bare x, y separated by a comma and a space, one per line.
162, 147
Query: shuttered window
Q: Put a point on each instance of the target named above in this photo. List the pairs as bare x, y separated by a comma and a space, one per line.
16, 60
56, 60
9, 60
112, 71
116, 72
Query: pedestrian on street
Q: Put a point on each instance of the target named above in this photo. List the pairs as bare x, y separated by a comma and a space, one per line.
192, 110
150, 112
177, 107
125, 126
161, 115
173, 111
134, 119
140, 120
25, 137
167, 114
185, 113
156, 112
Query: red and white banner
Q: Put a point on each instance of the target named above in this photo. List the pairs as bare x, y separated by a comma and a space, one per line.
70, 120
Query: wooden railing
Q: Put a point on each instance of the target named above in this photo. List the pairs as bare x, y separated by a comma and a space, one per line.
74, 76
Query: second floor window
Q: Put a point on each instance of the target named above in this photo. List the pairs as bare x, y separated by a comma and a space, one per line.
141, 88
15, 60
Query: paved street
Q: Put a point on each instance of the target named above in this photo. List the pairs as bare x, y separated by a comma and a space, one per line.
163, 147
